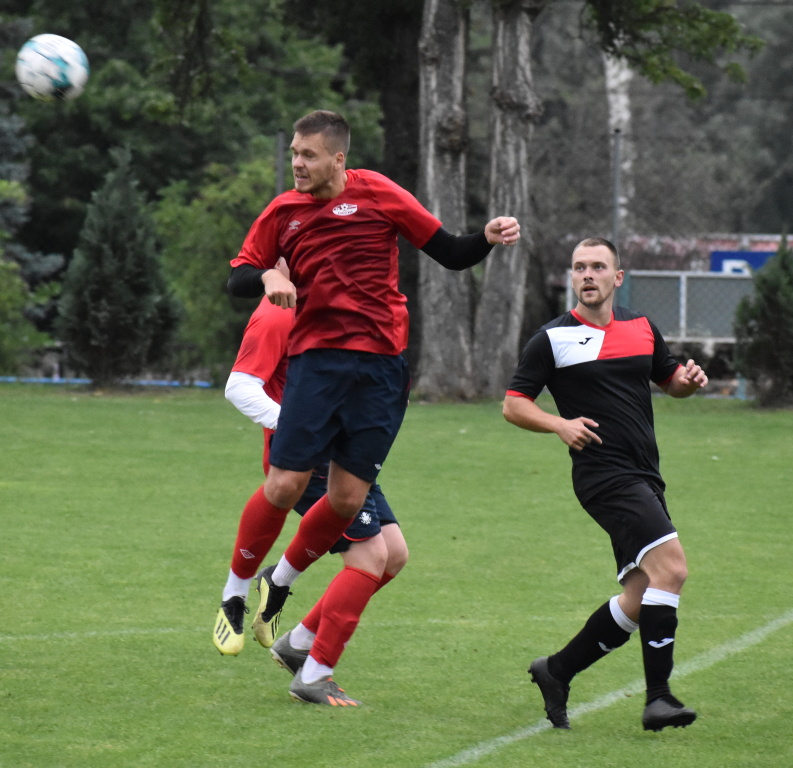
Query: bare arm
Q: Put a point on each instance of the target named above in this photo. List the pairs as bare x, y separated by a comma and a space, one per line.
526, 414
686, 380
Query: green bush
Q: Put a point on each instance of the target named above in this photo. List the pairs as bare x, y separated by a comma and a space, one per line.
764, 331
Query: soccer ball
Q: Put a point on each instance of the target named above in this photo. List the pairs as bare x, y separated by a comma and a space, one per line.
52, 67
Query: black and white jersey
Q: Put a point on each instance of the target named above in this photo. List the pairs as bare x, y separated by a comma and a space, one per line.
602, 373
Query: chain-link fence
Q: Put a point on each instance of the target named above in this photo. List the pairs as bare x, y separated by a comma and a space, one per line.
687, 307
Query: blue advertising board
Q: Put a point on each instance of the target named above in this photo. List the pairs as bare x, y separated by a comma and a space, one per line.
738, 262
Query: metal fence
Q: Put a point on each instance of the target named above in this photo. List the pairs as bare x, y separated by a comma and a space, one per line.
686, 306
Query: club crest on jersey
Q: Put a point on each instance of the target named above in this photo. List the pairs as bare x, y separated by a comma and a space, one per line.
345, 209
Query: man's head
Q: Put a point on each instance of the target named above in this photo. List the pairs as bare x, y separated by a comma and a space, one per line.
319, 151
595, 273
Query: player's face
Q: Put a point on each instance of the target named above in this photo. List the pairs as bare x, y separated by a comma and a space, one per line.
595, 275
316, 170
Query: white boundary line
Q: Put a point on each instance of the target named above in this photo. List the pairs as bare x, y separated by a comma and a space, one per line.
697, 664
97, 633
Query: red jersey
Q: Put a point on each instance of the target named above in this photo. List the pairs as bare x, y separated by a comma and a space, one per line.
343, 259
262, 353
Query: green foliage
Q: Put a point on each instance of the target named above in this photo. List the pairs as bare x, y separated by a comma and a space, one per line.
201, 234
18, 336
764, 331
650, 34
116, 315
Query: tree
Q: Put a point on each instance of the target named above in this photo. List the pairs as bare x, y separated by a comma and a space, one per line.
200, 234
650, 35
515, 110
116, 316
445, 360
764, 331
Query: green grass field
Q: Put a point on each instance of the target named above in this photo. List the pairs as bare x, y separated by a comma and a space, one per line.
117, 518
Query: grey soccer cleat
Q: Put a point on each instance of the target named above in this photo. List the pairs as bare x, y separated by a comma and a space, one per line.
286, 656
324, 692
667, 711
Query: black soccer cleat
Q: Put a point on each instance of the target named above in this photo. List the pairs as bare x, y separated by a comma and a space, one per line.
553, 692
667, 711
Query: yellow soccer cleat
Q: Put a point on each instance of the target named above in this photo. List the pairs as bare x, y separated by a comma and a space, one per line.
228, 632
271, 602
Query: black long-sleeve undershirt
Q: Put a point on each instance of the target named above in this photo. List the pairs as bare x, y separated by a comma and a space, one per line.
455, 252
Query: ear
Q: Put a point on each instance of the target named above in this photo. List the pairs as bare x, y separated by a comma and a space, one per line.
619, 278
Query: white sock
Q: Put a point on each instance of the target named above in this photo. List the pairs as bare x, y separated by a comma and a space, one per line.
654, 596
301, 638
284, 574
621, 617
235, 586
313, 671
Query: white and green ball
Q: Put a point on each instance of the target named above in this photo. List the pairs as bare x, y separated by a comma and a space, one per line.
52, 67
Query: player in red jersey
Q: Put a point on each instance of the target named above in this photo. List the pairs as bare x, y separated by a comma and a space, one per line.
597, 362
347, 382
373, 544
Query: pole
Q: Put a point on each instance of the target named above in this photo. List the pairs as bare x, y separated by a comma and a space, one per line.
616, 192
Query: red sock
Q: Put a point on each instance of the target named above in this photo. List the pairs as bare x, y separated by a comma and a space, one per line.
260, 524
311, 622
318, 531
342, 605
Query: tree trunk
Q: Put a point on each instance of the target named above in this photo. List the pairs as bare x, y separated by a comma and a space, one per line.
445, 362
618, 78
516, 107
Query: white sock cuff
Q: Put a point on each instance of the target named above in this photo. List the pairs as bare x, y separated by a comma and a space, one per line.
622, 619
236, 586
660, 597
284, 574
301, 638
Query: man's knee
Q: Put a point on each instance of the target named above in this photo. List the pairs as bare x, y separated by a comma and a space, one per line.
283, 489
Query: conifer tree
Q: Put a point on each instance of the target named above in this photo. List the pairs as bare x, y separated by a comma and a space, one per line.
764, 331
116, 315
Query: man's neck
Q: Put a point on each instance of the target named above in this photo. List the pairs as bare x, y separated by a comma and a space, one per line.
599, 316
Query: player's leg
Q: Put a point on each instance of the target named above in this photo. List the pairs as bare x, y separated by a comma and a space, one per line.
612, 624
260, 524
272, 596
665, 566
328, 627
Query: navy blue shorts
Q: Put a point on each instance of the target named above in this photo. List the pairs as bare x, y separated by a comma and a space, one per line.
375, 512
636, 518
343, 406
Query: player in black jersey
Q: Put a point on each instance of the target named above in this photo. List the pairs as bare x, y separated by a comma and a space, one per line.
598, 362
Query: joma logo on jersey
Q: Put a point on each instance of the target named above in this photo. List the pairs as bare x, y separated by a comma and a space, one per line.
345, 209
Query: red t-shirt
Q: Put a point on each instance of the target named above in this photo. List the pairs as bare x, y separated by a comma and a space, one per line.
343, 259
262, 353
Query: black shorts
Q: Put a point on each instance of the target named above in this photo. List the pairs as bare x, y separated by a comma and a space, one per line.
636, 518
372, 516
343, 406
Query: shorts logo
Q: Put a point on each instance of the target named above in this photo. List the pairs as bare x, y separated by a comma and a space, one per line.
345, 209
365, 518
294, 225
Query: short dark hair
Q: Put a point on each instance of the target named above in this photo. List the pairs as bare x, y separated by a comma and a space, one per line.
593, 242
331, 125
